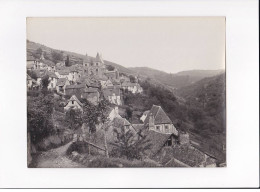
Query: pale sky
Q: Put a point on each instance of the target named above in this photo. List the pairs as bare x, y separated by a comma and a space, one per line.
170, 44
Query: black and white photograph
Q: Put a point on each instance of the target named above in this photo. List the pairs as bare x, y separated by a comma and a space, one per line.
126, 92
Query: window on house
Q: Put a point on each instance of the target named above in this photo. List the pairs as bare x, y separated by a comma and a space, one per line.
72, 102
97, 64
127, 127
166, 128
158, 128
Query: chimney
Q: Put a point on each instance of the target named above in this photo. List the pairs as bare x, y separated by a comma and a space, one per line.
151, 121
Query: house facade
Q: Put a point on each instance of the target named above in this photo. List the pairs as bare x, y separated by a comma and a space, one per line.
113, 95
73, 103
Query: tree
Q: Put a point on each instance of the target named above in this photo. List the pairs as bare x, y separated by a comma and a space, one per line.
132, 79
56, 56
45, 82
39, 117
110, 68
129, 113
67, 62
129, 145
90, 115
74, 118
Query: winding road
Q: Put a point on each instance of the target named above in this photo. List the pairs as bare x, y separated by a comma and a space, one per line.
56, 158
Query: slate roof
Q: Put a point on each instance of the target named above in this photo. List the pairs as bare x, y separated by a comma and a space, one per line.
138, 127
109, 92
160, 117
119, 122
75, 86
61, 82
91, 90
157, 140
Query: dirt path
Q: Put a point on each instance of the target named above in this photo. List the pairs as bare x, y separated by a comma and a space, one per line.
56, 158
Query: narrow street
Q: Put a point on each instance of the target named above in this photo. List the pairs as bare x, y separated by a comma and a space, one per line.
56, 158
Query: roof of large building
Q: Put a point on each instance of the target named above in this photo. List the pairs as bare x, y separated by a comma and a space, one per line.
160, 117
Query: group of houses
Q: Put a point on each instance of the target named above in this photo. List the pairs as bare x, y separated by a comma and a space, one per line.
158, 130
90, 79
93, 81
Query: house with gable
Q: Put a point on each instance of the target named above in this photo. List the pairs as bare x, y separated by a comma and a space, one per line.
107, 84
73, 103
113, 95
157, 120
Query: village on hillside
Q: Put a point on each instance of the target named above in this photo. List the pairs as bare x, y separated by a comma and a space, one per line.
77, 117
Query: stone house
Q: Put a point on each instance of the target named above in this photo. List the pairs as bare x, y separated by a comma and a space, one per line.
112, 75
61, 84
132, 87
113, 95
73, 103
158, 121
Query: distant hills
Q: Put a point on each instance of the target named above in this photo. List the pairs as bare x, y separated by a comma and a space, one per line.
168, 80
177, 80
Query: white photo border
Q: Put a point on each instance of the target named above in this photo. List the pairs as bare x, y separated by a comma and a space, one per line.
242, 67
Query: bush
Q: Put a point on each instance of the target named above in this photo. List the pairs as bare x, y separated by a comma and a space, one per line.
80, 147
119, 162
